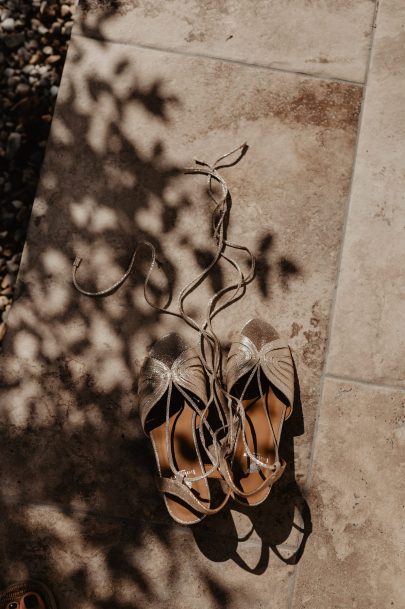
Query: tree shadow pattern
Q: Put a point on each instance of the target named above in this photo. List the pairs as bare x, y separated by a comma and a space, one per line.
79, 508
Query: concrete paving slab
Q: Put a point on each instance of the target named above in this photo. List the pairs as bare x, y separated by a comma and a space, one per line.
367, 340
329, 39
111, 178
357, 501
127, 121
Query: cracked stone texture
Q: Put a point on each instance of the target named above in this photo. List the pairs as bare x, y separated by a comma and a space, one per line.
354, 556
123, 130
321, 37
371, 294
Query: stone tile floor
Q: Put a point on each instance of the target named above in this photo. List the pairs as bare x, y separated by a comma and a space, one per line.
148, 87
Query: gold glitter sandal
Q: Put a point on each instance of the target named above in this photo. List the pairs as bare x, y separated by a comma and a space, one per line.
172, 400
260, 382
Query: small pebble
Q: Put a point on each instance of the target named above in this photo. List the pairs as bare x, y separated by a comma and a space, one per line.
12, 267
68, 27
65, 10
13, 144
33, 44
4, 315
54, 90
5, 282
47, 50
53, 59
12, 41
13, 81
35, 58
56, 28
23, 89
8, 24
4, 301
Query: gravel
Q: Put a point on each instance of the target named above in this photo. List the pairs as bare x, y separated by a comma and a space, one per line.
34, 36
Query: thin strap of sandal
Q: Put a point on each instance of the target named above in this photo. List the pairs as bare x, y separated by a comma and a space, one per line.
119, 282
268, 481
111, 289
179, 488
239, 287
204, 422
242, 414
208, 340
276, 468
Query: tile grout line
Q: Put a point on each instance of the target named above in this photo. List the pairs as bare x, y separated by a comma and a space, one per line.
138, 45
290, 602
364, 383
340, 256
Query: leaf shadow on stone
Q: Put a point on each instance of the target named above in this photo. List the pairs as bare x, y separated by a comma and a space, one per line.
78, 504
271, 266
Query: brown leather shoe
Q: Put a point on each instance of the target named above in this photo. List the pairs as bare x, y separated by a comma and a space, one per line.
27, 595
260, 383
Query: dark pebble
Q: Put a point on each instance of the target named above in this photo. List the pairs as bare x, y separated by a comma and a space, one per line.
13, 144
12, 41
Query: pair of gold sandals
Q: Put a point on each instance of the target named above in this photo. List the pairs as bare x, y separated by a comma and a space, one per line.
205, 426
258, 394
